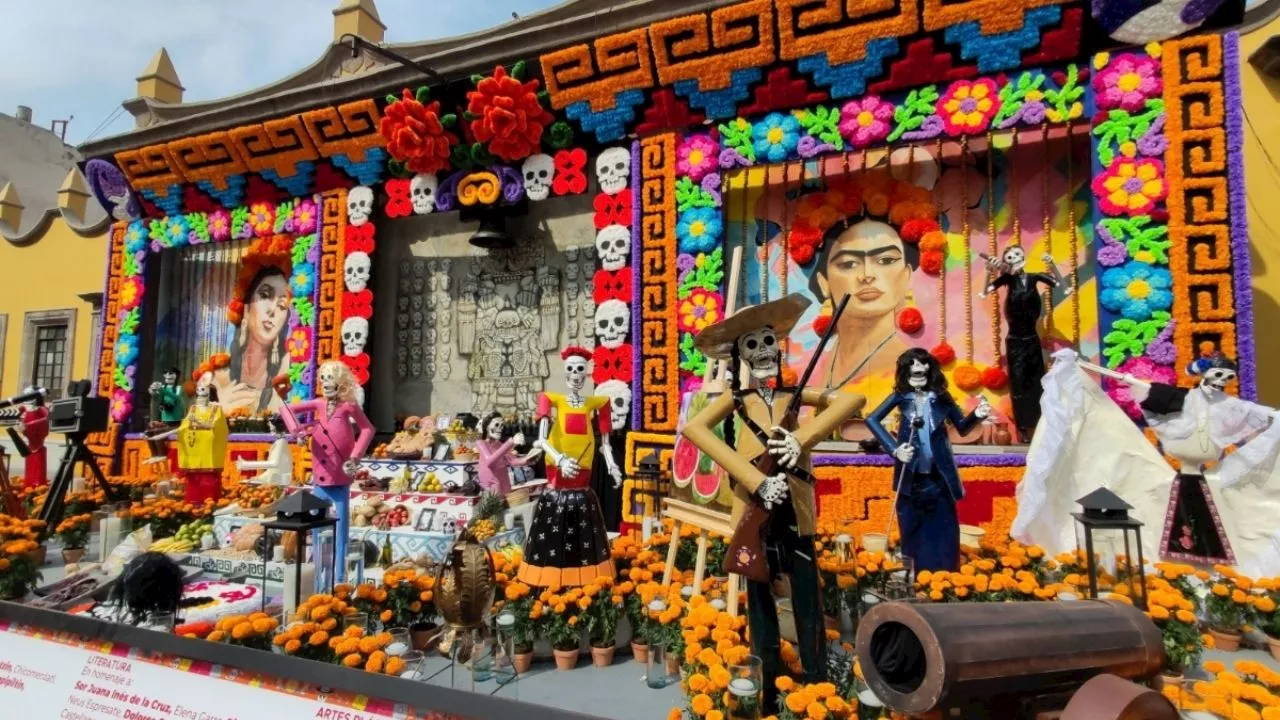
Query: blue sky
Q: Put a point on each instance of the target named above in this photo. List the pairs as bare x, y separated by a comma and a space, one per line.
80, 58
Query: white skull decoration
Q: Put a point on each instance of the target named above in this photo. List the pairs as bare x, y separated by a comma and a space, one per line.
759, 350
619, 394
359, 205
355, 333
356, 271
422, 191
575, 373
539, 170
613, 170
613, 245
613, 319
1216, 373
1015, 258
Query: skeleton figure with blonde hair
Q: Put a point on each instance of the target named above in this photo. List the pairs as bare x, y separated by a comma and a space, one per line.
340, 434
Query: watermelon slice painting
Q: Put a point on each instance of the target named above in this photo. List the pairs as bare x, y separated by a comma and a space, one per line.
684, 463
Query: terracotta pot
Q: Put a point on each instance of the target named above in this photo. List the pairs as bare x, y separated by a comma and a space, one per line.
640, 652
1226, 642
1170, 678
602, 656
566, 659
522, 662
426, 639
71, 556
1273, 647
38, 555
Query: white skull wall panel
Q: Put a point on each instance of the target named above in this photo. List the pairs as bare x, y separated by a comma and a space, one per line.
613, 245
422, 192
359, 205
619, 394
355, 272
613, 320
355, 335
539, 171
613, 170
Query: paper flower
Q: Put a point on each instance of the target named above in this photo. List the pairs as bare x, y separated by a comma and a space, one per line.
262, 219
697, 156
1136, 289
121, 406
698, 230
994, 377
1143, 369
775, 137
126, 350
968, 106
305, 216
611, 285
968, 377
299, 344
910, 320
571, 178
1112, 254
416, 134
507, 115
700, 309
135, 238
866, 121
131, 293
612, 209
1130, 186
303, 280
177, 232
1127, 83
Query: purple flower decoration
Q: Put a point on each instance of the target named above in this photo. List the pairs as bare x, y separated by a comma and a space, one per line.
1162, 352
1112, 255
313, 253
156, 246
809, 146
711, 183
684, 263
1033, 112
932, 127
730, 158
1153, 143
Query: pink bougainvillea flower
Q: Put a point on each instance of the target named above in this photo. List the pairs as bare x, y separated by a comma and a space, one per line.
968, 106
1130, 186
1128, 82
697, 156
1143, 368
866, 121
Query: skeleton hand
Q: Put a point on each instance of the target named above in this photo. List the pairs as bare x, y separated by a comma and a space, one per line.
784, 446
568, 467
983, 411
615, 473
350, 467
994, 264
773, 491
904, 453
155, 388
1047, 258
519, 439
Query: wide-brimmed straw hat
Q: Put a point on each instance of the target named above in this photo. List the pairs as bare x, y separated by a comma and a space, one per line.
716, 341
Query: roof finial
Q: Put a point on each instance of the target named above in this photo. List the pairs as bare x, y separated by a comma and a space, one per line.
10, 208
358, 17
159, 81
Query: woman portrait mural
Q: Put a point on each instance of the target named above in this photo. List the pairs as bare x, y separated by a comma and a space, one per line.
259, 317
907, 247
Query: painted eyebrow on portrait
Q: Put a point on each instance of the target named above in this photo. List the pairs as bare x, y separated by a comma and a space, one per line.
840, 255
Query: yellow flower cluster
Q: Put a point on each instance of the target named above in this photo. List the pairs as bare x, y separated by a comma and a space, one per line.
251, 630
325, 610
1249, 693
355, 648
814, 702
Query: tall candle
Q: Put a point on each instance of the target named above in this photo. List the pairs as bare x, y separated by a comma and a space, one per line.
294, 593
77, 484
108, 536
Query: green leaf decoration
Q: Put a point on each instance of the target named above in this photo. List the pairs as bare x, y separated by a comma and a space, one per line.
1130, 338
480, 156
1063, 101
1141, 237
1121, 127
690, 195
449, 120
518, 70
423, 95
392, 99
306, 310
122, 381
295, 372
691, 358
1015, 94
129, 323
823, 123
130, 266
560, 135
707, 274
911, 114
475, 79
544, 97
460, 155
736, 134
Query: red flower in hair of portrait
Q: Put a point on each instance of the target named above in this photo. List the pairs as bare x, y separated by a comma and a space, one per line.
399, 204
357, 304
612, 285
943, 353
612, 364
359, 367
805, 239
613, 209
358, 238
931, 263
913, 230
571, 176
821, 323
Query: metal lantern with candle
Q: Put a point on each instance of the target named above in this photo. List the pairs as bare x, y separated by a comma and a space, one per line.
1104, 527
304, 514
648, 481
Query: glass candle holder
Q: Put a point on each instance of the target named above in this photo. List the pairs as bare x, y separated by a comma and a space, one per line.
504, 647
746, 689
401, 642
413, 661
356, 619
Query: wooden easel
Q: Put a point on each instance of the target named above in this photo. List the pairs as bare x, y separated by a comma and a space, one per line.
704, 519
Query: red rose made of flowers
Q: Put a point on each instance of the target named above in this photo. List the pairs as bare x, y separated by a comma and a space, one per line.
507, 115
416, 132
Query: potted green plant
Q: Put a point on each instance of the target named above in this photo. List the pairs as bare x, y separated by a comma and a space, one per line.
73, 533
1229, 609
560, 626
1266, 610
601, 617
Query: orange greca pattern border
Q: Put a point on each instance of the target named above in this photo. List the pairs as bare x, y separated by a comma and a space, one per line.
361, 703
659, 379
638, 496
103, 445
329, 298
277, 145
1196, 166
711, 45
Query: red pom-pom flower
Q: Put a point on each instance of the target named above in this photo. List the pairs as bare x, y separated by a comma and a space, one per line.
910, 320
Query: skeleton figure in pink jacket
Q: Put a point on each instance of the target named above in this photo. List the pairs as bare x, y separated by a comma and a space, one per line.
336, 448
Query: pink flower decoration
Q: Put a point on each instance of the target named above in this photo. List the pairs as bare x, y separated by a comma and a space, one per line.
697, 156
865, 121
304, 217
131, 293
968, 106
1130, 186
1128, 82
121, 405
1142, 368
219, 225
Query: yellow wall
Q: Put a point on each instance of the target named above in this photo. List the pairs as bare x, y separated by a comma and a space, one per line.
1262, 175
49, 274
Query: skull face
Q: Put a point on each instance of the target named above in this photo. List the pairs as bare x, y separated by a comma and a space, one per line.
613, 170
355, 271
759, 350
1015, 258
422, 192
170, 378
613, 245
619, 394
613, 318
329, 381
497, 426
202, 393
1216, 380
539, 171
575, 374
359, 205
919, 377
355, 333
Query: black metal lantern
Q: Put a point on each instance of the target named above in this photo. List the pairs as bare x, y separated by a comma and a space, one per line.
648, 481
301, 513
1106, 515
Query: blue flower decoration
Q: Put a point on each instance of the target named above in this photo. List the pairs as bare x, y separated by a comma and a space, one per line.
775, 138
135, 238
303, 280
698, 230
1136, 290
179, 232
126, 350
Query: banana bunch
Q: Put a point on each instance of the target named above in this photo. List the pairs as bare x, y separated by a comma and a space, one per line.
172, 545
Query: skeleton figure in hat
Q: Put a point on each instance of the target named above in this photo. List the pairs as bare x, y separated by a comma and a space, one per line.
753, 337
567, 544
